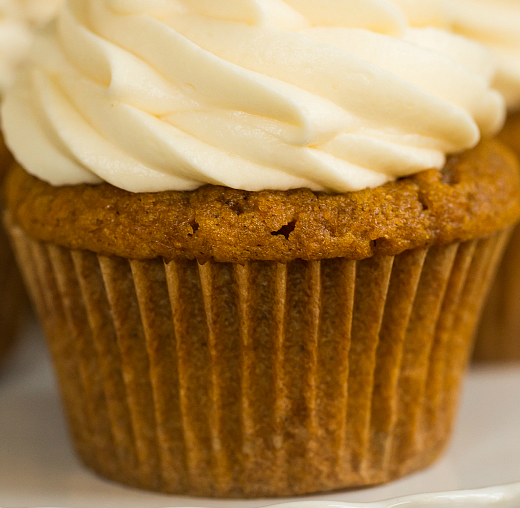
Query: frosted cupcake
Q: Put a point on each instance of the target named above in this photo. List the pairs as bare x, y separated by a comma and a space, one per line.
257, 264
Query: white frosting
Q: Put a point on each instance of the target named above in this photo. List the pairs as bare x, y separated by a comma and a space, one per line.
493, 23
334, 95
18, 18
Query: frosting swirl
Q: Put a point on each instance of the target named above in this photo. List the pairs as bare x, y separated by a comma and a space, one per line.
336, 95
18, 18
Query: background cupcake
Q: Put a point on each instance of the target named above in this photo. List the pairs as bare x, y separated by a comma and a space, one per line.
18, 21
496, 25
253, 277
498, 338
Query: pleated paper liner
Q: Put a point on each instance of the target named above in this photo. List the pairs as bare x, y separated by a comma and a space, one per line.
262, 379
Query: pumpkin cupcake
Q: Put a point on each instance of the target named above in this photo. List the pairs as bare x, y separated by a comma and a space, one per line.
257, 262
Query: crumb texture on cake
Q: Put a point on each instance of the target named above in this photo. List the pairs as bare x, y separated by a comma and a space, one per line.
475, 195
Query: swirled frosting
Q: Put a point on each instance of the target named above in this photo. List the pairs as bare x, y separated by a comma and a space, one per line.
18, 18
335, 95
493, 23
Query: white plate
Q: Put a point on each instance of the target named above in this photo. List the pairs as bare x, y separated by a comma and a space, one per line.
38, 468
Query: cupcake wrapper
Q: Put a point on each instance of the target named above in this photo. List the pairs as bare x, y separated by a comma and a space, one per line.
259, 379
498, 337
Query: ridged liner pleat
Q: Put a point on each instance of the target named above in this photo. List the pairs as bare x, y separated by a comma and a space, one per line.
135, 364
260, 379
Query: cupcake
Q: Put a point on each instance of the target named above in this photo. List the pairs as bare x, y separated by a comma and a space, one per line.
258, 235
18, 20
495, 24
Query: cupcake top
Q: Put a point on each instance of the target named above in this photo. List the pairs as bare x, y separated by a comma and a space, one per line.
336, 95
18, 18
493, 23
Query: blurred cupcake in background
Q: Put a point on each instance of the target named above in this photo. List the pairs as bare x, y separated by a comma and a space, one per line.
492, 23
496, 25
19, 20
258, 235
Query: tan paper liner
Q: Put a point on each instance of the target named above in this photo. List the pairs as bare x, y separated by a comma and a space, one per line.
498, 337
263, 379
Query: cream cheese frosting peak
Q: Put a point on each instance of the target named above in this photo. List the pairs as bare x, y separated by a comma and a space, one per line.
336, 95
